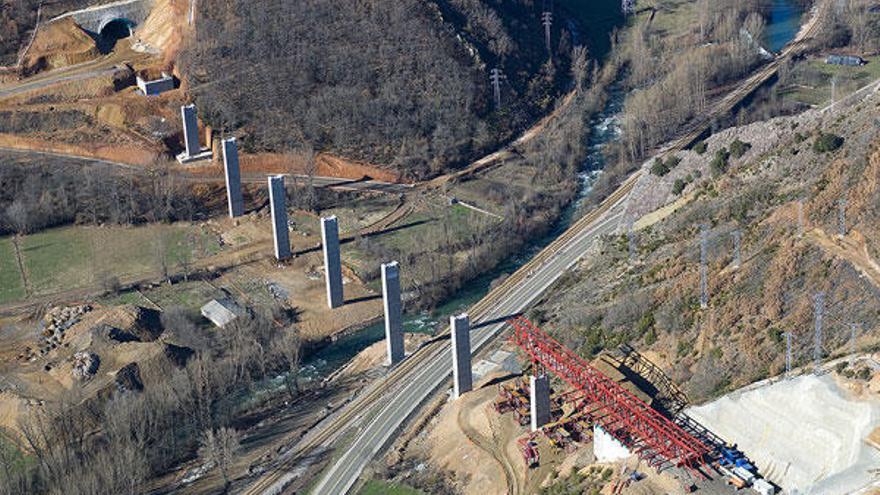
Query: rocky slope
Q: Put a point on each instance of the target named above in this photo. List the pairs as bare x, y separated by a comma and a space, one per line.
652, 299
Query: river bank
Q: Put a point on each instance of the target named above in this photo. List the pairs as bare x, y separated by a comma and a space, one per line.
604, 131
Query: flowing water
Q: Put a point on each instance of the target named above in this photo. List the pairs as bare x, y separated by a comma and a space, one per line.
599, 18
783, 24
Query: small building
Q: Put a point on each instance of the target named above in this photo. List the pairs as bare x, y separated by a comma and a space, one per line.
848, 60
222, 312
156, 86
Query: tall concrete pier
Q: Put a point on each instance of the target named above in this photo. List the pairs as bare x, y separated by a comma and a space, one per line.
393, 313
462, 379
233, 178
332, 261
190, 130
539, 400
278, 204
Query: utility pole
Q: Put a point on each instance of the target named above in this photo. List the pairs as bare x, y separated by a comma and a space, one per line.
737, 249
853, 332
841, 216
495, 75
704, 269
818, 310
788, 353
631, 240
800, 218
833, 92
547, 20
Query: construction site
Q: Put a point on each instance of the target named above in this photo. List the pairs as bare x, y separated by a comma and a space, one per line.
706, 325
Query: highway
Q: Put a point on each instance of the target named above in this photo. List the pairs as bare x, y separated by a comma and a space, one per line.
389, 403
423, 373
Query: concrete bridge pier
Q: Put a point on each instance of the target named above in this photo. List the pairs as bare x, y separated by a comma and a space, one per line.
332, 261
539, 400
233, 178
462, 377
393, 312
278, 205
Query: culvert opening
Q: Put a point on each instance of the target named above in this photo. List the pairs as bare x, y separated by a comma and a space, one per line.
112, 32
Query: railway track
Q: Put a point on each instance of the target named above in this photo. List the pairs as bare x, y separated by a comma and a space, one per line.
353, 411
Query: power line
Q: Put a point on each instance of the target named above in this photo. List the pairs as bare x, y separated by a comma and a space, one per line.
495, 75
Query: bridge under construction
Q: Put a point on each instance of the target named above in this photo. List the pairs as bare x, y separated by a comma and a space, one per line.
653, 437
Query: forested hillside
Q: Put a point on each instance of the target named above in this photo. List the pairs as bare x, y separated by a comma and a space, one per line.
403, 84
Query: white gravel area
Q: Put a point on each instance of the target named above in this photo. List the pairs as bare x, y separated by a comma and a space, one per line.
805, 434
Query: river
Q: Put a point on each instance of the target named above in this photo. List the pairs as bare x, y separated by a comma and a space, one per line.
598, 17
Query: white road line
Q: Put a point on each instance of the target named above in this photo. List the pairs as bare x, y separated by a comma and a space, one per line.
344, 473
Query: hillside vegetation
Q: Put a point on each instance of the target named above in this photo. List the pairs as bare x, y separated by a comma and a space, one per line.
748, 179
403, 84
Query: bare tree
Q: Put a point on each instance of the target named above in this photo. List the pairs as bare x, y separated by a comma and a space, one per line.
218, 447
289, 346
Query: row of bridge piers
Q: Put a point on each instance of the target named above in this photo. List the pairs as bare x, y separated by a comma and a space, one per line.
391, 296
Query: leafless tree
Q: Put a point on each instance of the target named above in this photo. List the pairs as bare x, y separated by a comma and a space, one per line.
218, 448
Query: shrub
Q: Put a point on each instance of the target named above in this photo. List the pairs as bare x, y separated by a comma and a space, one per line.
739, 148
678, 186
700, 147
718, 165
827, 142
659, 168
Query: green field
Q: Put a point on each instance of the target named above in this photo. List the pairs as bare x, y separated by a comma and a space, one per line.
811, 80
376, 487
11, 288
75, 257
13, 456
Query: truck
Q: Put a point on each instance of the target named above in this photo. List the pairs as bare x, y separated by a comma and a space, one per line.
764, 487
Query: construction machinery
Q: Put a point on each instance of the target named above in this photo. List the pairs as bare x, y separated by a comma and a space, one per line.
529, 449
652, 436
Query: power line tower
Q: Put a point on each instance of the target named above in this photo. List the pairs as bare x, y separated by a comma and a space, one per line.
631, 240
496, 76
704, 268
628, 7
547, 20
737, 249
800, 218
853, 333
819, 314
788, 353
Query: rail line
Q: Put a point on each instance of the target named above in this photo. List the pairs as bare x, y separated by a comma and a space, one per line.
356, 408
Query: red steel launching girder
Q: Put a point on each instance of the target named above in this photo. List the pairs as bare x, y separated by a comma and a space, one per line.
627, 418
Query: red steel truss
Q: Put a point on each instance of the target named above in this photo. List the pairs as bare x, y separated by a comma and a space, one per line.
642, 429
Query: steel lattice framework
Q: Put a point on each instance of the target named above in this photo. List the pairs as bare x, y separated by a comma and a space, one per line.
642, 429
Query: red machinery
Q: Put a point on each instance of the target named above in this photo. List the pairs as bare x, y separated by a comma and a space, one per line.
529, 449
642, 429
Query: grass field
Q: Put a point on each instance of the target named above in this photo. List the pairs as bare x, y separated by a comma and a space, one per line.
812, 80
11, 288
74, 257
190, 295
14, 456
376, 487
